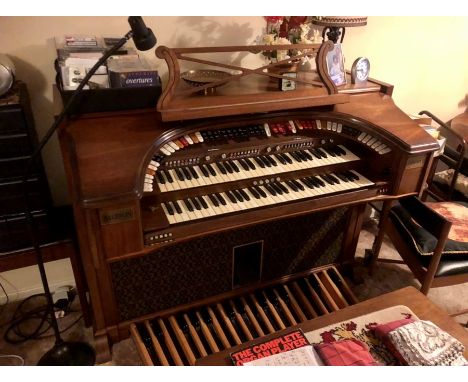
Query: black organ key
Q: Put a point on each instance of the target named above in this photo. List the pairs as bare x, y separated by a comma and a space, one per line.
316, 181
168, 176
260, 191
214, 200
186, 173
180, 174
202, 202
285, 190
254, 192
244, 195
193, 172
266, 161
177, 207
327, 179
352, 175
169, 208
260, 163
221, 199
340, 150
342, 177
276, 188
272, 161
204, 170
298, 185
250, 163
244, 164
234, 167
334, 178
308, 183
295, 156
188, 205
195, 203
292, 185
221, 168
270, 189
231, 197
281, 159
316, 153
286, 158
228, 167
302, 155
306, 155
329, 151
211, 169
238, 196
160, 177
322, 152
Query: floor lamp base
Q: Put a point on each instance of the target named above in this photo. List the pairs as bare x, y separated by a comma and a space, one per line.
69, 354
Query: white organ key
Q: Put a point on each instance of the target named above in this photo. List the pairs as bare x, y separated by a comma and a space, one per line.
199, 136
293, 126
188, 139
370, 142
349, 155
361, 136
176, 216
242, 174
174, 146
164, 151
169, 148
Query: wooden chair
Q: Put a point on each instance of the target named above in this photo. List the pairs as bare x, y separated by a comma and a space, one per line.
421, 237
452, 158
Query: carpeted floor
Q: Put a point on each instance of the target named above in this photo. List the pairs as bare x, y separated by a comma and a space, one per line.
386, 278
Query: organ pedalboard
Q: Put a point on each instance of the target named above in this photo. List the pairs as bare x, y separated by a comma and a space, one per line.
216, 172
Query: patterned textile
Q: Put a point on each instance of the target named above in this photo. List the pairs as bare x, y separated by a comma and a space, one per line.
382, 331
455, 213
345, 353
361, 328
421, 343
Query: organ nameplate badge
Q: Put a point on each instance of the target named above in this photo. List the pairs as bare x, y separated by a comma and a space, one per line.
115, 216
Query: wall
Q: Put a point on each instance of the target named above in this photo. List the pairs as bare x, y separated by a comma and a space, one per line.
424, 57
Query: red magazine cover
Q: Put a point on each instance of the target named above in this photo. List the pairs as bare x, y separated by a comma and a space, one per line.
286, 342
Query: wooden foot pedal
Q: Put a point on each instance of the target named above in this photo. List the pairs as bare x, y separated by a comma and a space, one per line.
184, 337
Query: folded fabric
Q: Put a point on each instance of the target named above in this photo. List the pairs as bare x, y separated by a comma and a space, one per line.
345, 353
421, 343
381, 332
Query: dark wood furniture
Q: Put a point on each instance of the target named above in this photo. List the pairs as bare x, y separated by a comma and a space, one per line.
431, 270
410, 297
18, 139
454, 157
130, 173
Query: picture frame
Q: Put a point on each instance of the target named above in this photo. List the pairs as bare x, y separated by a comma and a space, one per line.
335, 66
287, 84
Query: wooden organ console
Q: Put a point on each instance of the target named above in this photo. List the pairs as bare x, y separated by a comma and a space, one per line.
214, 197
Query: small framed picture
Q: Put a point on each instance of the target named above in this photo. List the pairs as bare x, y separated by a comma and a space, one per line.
287, 84
335, 66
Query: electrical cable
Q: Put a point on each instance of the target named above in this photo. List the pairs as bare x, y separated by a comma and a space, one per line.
15, 333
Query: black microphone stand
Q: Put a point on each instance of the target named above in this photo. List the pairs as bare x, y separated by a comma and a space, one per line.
63, 353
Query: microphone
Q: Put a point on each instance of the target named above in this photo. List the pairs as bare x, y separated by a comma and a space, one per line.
143, 37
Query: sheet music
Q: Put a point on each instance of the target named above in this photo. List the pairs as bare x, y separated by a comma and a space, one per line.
304, 356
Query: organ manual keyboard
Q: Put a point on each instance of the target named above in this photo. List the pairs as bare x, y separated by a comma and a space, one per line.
210, 198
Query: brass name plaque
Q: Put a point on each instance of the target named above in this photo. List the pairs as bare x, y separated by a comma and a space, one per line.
119, 215
414, 163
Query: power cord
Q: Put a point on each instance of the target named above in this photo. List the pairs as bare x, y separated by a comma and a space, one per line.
18, 332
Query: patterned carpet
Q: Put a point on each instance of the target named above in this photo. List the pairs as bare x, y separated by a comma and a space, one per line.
386, 278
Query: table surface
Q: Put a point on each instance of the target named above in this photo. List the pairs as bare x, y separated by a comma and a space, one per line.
409, 296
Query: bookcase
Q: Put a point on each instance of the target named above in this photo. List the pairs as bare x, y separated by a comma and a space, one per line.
18, 140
